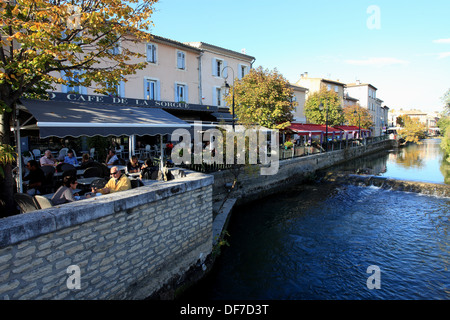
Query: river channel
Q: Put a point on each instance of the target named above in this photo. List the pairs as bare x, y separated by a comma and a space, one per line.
324, 241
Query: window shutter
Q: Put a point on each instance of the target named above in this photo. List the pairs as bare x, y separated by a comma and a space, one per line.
158, 89
214, 67
122, 89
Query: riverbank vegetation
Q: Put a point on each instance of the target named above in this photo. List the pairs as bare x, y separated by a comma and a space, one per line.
444, 126
412, 130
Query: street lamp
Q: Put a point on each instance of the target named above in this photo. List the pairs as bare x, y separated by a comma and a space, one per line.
326, 125
228, 86
359, 123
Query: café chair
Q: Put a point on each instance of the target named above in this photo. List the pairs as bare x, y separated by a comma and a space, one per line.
36, 154
135, 183
98, 183
25, 202
48, 184
43, 202
92, 172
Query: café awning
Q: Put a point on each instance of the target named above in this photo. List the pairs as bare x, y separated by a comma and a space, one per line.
63, 118
313, 129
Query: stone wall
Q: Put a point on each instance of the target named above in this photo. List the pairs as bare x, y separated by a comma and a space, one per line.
251, 185
120, 246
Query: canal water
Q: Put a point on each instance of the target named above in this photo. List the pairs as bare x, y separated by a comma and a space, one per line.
347, 242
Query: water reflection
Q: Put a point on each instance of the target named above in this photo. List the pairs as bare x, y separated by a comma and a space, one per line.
424, 162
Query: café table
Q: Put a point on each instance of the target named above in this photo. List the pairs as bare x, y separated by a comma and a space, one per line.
59, 174
87, 181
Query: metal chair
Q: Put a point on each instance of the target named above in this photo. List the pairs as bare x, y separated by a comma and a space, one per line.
92, 172
36, 153
98, 183
135, 183
43, 202
25, 202
48, 184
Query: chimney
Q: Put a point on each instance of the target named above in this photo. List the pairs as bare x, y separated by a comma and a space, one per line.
306, 74
358, 82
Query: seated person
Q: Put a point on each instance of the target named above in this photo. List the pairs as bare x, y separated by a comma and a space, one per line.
133, 165
86, 161
47, 159
118, 182
35, 176
70, 158
65, 193
111, 158
148, 169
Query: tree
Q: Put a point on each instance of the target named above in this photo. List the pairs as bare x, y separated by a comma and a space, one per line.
413, 130
329, 100
264, 98
362, 117
446, 100
41, 39
400, 121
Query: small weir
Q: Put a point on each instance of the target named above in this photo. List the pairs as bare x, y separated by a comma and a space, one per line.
432, 189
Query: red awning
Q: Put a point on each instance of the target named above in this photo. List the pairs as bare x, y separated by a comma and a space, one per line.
313, 129
351, 128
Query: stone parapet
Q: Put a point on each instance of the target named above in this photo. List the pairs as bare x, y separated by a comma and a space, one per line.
125, 245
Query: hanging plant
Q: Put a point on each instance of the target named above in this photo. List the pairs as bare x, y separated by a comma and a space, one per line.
7, 156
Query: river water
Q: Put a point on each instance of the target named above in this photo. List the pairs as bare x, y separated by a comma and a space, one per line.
323, 241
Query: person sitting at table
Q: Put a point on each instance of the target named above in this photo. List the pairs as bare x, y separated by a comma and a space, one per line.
65, 193
111, 158
118, 182
47, 159
70, 158
35, 176
86, 161
133, 165
148, 169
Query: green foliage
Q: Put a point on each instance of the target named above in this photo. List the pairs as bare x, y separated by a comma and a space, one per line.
263, 98
444, 125
329, 100
446, 100
362, 117
100, 144
7, 156
413, 130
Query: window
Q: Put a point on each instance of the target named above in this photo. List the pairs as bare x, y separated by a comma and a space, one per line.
115, 50
74, 87
151, 89
181, 60
243, 70
181, 93
117, 90
151, 53
329, 87
218, 68
336, 89
217, 95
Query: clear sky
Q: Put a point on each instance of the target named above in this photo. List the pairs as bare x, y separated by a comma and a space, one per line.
400, 47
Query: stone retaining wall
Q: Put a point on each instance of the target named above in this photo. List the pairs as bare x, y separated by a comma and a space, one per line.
120, 246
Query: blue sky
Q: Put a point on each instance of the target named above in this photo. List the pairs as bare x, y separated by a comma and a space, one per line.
400, 47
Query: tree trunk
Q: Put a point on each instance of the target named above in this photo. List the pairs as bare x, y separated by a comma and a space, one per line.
7, 206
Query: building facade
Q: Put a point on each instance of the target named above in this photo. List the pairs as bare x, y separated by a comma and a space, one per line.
316, 84
367, 97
